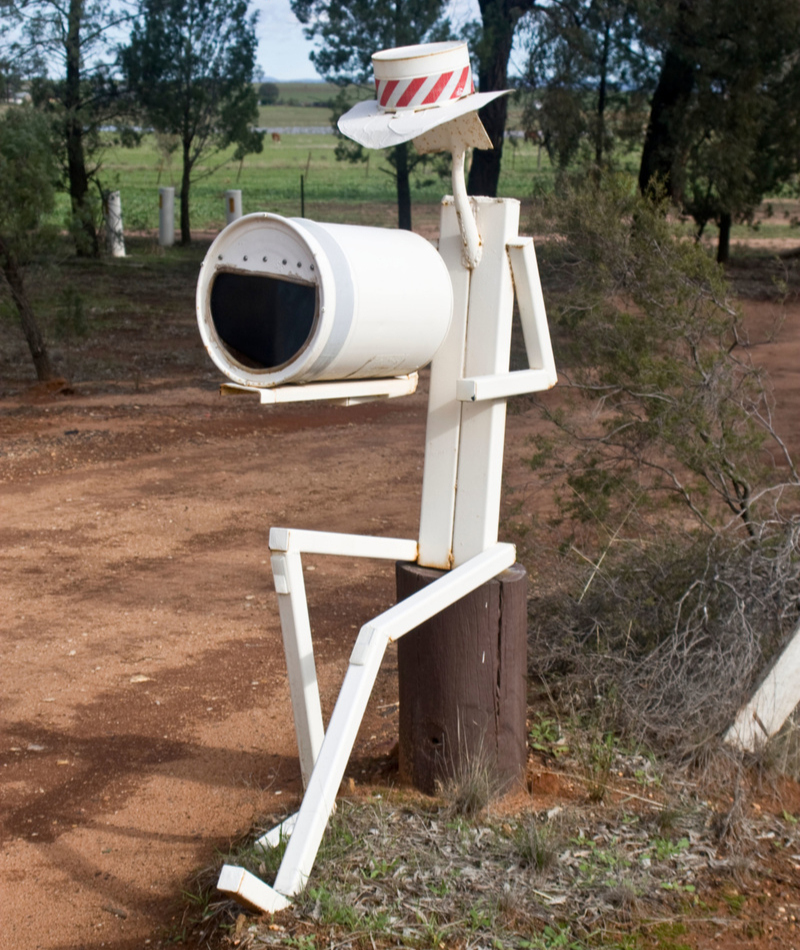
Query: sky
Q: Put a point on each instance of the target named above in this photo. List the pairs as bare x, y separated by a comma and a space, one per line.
283, 50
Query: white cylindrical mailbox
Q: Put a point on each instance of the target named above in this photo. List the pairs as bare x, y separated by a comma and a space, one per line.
284, 300
166, 216
233, 205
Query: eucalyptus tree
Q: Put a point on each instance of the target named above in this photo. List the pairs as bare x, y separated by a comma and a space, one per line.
68, 47
585, 66
724, 126
492, 47
28, 171
189, 67
347, 34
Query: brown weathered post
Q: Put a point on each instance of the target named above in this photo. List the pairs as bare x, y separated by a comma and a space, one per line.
463, 682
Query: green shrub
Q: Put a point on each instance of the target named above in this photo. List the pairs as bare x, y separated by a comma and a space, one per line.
677, 573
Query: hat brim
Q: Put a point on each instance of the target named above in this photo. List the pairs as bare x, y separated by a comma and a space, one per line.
367, 124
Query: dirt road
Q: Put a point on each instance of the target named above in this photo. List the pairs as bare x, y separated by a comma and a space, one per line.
146, 716
145, 709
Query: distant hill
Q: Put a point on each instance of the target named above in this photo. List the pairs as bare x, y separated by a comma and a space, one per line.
281, 82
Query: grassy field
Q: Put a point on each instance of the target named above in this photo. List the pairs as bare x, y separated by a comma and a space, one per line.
334, 191
339, 191
270, 181
306, 93
287, 116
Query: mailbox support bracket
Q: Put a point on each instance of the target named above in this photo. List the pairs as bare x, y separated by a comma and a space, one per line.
349, 392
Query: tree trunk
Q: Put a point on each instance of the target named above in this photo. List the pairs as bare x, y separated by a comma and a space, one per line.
463, 683
186, 233
403, 187
662, 139
484, 174
86, 240
500, 19
601, 100
724, 242
30, 326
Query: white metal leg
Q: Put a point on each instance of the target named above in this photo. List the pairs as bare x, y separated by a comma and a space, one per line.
320, 796
365, 661
279, 833
350, 545
249, 890
287, 570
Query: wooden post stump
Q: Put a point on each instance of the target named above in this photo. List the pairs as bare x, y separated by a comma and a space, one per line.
463, 681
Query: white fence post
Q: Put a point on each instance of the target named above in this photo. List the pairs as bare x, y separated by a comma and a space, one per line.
166, 216
114, 234
233, 205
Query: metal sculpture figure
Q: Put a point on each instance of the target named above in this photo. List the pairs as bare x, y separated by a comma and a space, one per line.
424, 94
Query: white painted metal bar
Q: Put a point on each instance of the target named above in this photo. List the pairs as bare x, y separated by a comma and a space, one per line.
279, 833
772, 703
533, 316
488, 347
397, 621
320, 797
287, 570
444, 410
250, 891
346, 392
503, 385
346, 545
365, 660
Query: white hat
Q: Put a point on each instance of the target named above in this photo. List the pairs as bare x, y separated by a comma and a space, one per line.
418, 88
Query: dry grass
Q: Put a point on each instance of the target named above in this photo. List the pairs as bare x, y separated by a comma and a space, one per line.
397, 872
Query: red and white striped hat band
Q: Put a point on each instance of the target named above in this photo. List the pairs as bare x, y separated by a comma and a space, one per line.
422, 92
423, 76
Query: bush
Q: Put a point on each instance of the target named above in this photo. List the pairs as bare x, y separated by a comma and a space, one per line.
678, 574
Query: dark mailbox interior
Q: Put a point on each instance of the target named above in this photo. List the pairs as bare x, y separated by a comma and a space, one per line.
263, 321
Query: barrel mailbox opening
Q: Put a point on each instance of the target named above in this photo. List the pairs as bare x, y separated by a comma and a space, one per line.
262, 322
294, 301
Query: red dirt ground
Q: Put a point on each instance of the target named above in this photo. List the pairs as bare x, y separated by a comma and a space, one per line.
146, 717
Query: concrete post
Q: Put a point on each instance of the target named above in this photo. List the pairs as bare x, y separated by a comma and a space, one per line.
233, 205
113, 214
166, 217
